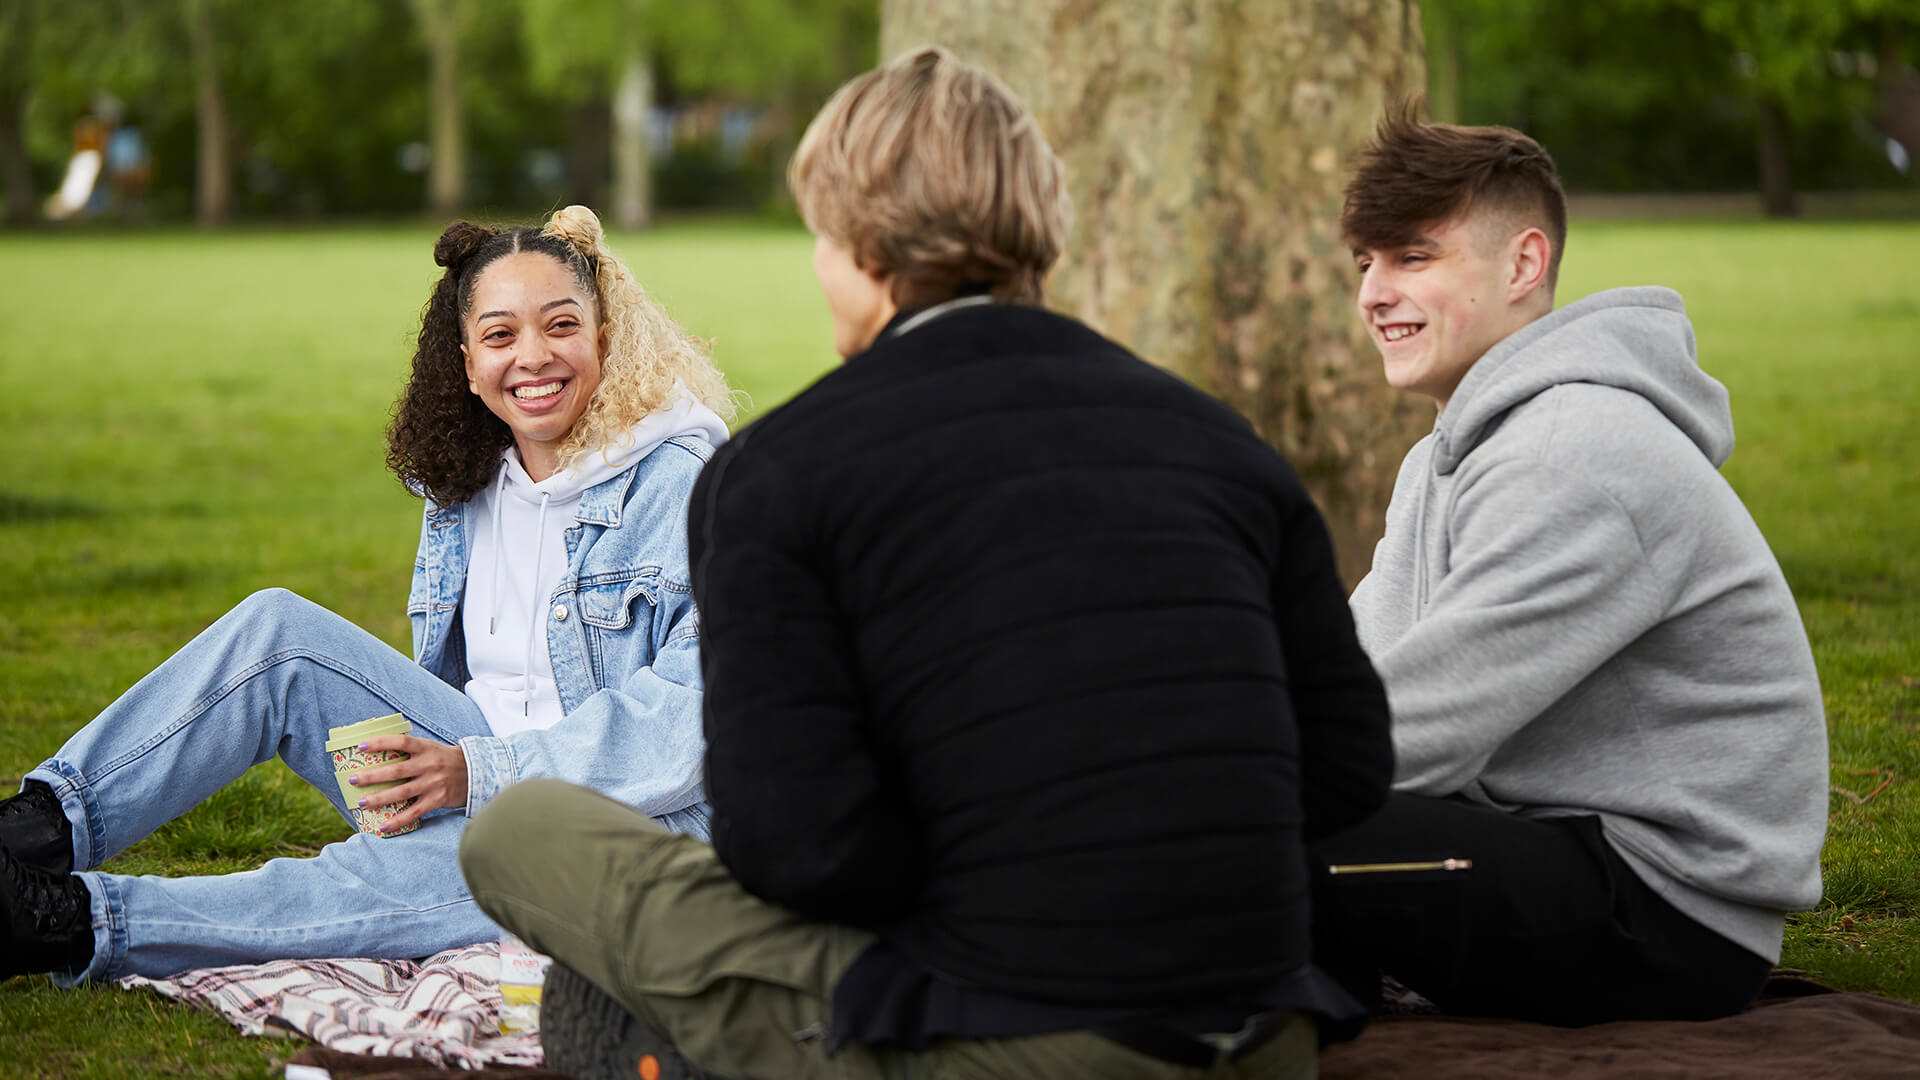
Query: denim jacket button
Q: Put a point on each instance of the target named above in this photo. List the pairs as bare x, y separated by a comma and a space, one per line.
560, 612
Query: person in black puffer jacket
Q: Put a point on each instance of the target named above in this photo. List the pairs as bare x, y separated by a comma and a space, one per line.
1029, 677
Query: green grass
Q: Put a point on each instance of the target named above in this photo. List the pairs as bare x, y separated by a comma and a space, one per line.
1813, 329
190, 418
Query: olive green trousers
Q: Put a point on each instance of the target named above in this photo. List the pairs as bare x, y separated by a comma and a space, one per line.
741, 987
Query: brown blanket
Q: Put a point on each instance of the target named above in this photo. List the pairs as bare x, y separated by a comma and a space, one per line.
1799, 1032
1851, 1036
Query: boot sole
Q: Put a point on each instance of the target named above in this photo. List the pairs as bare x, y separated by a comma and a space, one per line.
590, 1036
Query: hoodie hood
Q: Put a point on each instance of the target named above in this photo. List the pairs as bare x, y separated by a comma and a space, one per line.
523, 547
686, 416
1635, 339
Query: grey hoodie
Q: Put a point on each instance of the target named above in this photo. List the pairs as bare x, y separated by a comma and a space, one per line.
1574, 614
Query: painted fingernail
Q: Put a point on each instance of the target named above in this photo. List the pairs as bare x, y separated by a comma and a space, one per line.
363, 804
354, 781
363, 746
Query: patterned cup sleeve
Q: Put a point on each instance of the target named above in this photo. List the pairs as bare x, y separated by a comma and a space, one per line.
352, 759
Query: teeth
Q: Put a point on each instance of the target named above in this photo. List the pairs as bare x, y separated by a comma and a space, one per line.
1395, 333
543, 390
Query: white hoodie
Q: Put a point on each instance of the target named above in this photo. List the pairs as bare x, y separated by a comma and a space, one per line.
520, 555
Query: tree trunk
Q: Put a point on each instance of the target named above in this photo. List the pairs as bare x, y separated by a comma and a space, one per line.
632, 182
1897, 86
781, 122
1777, 197
589, 133
1445, 33
1207, 144
15, 167
213, 185
447, 170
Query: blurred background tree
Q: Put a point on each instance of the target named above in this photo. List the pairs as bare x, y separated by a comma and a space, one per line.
443, 23
340, 107
764, 63
333, 107
598, 58
1768, 96
18, 23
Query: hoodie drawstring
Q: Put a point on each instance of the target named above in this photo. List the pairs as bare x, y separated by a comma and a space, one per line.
499, 552
1420, 541
533, 602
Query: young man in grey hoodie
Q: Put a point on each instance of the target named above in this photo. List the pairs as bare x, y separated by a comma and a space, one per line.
1611, 753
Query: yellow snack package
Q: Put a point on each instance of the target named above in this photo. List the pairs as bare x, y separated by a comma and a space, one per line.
522, 974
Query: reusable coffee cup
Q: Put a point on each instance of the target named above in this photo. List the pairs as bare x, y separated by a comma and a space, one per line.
343, 745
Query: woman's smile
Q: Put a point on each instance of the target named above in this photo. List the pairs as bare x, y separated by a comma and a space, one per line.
540, 397
532, 352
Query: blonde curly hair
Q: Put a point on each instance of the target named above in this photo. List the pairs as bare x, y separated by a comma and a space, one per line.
648, 359
929, 171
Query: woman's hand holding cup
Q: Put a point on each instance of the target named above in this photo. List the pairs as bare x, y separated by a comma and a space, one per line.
434, 775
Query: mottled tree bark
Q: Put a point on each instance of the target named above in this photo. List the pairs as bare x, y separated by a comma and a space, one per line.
213, 176
1207, 143
446, 136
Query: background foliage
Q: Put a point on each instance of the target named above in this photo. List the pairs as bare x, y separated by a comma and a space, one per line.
327, 100
323, 97
1675, 95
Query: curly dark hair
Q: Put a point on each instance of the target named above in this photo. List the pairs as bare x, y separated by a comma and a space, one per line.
443, 440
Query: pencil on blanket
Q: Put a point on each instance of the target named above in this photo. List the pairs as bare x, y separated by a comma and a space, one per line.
1399, 867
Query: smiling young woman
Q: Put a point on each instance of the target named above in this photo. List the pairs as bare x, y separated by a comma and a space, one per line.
534, 355
555, 419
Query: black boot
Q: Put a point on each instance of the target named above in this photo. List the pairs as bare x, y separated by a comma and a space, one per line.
35, 829
46, 918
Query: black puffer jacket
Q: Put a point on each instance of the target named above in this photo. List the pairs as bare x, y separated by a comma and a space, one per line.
1033, 658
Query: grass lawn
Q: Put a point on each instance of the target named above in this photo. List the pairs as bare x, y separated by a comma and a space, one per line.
191, 418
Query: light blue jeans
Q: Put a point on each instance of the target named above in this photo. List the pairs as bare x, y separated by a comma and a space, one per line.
268, 679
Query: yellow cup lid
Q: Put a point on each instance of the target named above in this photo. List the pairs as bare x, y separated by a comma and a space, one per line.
353, 734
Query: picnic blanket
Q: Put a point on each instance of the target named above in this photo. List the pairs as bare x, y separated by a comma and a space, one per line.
441, 1011
319, 1063
1811, 1035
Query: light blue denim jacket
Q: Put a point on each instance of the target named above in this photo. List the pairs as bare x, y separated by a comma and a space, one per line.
622, 634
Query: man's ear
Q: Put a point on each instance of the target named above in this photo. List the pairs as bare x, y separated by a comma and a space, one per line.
1531, 259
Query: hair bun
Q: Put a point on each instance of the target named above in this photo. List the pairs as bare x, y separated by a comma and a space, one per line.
459, 242
579, 227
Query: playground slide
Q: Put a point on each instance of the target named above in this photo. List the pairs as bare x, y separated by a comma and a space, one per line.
82, 173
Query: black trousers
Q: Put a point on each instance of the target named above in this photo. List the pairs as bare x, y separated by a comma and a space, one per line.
1549, 923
